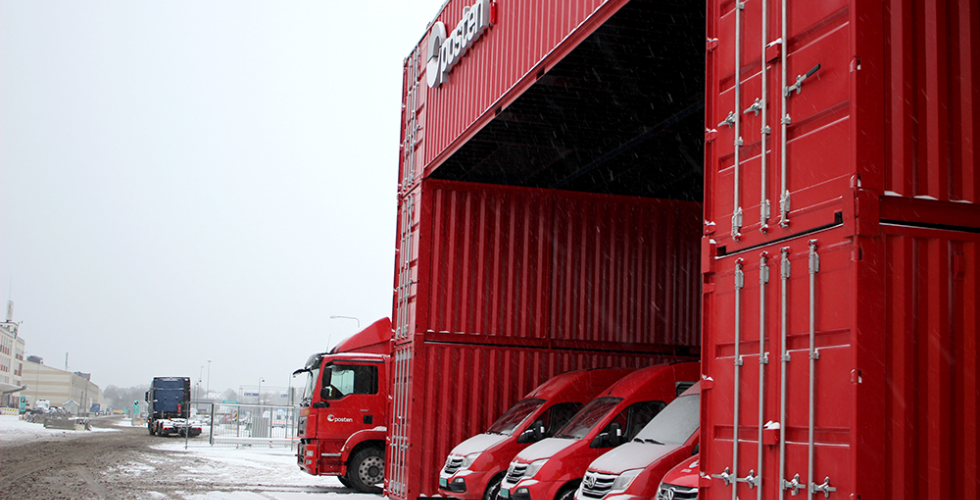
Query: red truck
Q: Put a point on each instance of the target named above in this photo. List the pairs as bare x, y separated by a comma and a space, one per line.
344, 414
553, 468
634, 470
476, 467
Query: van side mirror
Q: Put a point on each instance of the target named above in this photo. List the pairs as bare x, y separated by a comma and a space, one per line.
610, 439
533, 434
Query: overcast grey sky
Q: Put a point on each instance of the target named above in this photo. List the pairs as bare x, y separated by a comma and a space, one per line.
185, 180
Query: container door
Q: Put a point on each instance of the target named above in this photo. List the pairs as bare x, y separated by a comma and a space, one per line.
779, 358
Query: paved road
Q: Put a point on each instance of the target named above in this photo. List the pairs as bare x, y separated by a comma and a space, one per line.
109, 465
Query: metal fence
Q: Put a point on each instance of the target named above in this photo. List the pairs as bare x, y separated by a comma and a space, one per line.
245, 424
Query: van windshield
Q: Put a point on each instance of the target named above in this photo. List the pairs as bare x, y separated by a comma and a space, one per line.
675, 424
585, 420
515, 415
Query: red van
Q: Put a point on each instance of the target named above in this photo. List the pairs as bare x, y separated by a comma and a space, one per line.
552, 469
634, 470
681, 482
476, 467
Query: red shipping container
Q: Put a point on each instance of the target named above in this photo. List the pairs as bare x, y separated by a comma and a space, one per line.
445, 392
806, 99
868, 359
549, 268
527, 37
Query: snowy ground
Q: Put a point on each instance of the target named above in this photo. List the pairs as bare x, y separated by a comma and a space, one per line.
256, 473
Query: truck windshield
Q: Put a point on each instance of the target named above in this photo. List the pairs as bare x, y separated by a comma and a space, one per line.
515, 415
585, 420
675, 424
311, 377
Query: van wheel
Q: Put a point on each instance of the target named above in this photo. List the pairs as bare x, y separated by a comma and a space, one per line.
366, 470
493, 488
567, 493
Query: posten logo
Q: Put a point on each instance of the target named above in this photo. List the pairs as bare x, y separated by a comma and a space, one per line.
445, 51
331, 418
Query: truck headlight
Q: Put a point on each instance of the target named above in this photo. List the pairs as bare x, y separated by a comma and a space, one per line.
534, 467
468, 460
623, 480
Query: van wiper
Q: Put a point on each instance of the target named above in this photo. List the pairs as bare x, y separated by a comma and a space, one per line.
652, 441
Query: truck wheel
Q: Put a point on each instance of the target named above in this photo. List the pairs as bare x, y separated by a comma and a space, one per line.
493, 488
366, 470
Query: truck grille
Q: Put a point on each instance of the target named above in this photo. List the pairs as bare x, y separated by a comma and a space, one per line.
453, 465
595, 485
515, 472
671, 492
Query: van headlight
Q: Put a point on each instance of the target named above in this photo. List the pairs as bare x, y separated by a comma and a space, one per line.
624, 480
534, 467
469, 459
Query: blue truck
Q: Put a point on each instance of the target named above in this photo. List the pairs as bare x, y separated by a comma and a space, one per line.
169, 400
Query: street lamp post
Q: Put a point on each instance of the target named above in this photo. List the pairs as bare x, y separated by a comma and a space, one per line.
259, 395
208, 394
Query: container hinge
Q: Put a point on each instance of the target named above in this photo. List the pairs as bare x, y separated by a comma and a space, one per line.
764, 359
711, 44
824, 488
729, 120
784, 266
726, 476
784, 209
794, 486
786, 120
739, 361
763, 269
814, 258
739, 275
737, 224
756, 107
798, 86
751, 479
815, 355
764, 213
766, 130
741, 6
739, 142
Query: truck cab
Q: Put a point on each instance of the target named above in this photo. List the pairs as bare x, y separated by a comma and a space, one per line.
476, 467
343, 412
552, 469
169, 405
634, 470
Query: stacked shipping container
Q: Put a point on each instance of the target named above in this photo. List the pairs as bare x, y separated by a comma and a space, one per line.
506, 287
840, 281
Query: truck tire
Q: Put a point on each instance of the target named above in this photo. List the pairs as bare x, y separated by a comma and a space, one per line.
344, 481
493, 488
366, 470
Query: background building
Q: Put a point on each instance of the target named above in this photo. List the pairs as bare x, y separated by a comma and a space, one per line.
11, 363
60, 387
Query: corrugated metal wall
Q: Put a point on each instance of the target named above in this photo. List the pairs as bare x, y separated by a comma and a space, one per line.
449, 392
930, 357
558, 266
